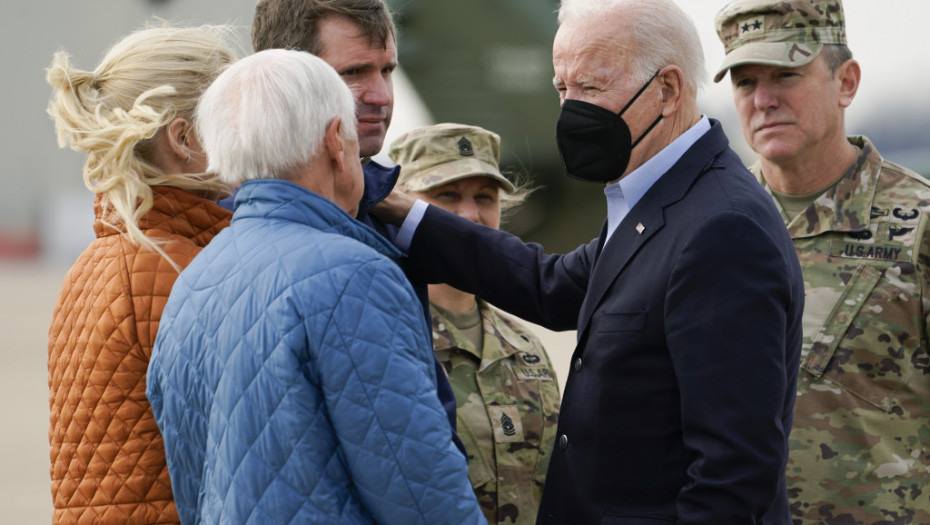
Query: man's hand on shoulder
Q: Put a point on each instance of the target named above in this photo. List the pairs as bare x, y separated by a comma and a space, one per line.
394, 208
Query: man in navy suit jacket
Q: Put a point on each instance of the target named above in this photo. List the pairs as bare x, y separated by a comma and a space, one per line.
688, 305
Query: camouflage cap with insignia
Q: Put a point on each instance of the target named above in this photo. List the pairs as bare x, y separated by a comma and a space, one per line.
786, 33
435, 155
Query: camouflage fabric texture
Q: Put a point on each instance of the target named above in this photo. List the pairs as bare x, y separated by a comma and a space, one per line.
507, 411
860, 444
435, 155
786, 33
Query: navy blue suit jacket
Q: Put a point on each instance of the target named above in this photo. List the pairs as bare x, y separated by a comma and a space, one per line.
678, 402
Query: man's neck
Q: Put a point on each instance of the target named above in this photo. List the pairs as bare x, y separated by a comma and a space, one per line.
675, 127
804, 175
450, 298
679, 123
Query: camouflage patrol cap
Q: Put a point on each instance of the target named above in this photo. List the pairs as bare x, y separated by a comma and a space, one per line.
786, 33
435, 155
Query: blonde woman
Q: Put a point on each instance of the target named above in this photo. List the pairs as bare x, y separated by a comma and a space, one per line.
133, 117
507, 397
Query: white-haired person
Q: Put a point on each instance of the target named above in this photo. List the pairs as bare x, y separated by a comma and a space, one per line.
133, 116
293, 375
506, 391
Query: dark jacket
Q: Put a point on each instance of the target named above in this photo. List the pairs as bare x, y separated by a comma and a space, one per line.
678, 402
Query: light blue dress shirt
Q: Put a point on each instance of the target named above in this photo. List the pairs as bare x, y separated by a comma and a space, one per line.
626, 192
621, 195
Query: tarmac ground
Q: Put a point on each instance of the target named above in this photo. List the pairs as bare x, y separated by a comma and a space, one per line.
27, 297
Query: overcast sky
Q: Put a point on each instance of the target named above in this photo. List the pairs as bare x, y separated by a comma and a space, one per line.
887, 37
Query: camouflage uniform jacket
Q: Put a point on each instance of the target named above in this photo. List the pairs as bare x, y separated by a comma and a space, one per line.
860, 444
508, 407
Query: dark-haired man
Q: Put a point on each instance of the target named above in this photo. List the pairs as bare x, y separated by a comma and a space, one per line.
358, 39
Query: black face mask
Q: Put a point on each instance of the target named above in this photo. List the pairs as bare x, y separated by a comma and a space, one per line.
595, 143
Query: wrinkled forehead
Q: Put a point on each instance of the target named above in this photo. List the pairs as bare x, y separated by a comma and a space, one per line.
336, 31
589, 47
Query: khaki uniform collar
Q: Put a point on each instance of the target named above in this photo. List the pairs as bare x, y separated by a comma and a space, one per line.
847, 205
501, 341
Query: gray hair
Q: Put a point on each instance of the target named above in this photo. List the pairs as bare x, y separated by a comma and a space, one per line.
835, 55
266, 116
662, 35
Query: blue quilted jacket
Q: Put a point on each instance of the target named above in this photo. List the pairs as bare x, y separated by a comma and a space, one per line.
292, 377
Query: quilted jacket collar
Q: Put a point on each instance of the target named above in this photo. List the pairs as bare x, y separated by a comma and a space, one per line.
284, 200
501, 339
174, 212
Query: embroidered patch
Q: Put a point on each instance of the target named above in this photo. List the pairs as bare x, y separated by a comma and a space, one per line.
508, 427
905, 214
878, 213
465, 148
867, 251
894, 231
526, 373
752, 25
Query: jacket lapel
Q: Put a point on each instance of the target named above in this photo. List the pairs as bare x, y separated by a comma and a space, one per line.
632, 233
646, 219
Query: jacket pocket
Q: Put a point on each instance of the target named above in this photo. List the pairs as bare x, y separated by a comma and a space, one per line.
612, 322
479, 465
823, 359
550, 404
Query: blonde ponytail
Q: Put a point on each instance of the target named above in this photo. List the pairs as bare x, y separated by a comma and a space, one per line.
114, 114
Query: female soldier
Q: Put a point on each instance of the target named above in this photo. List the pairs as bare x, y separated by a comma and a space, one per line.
506, 392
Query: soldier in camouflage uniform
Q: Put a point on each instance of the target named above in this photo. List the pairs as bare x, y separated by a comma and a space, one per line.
506, 391
860, 444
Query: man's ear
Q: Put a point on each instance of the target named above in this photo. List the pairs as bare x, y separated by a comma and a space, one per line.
671, 85
335, 145
848, 75
177, 134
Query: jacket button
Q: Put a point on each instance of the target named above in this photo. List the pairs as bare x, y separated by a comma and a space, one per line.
578, 365
563, 442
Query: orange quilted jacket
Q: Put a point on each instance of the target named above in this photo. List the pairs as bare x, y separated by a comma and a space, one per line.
107, 457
